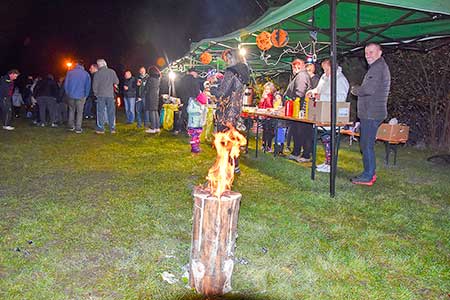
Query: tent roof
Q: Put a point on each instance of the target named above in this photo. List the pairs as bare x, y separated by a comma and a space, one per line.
398, 22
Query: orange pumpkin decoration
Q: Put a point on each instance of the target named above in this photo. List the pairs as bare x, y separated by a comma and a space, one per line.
205, 58
279, 38
263, 41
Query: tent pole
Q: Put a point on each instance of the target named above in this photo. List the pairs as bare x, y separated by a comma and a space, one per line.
333, 52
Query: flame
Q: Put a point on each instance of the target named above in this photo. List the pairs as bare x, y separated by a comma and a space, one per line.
221, 174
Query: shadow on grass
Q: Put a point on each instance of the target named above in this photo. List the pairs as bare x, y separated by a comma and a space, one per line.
228, 297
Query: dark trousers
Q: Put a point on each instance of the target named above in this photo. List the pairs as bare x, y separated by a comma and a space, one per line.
268, 133
303, 139
6, 110
368, 136
47, 104
177, 120
154, 119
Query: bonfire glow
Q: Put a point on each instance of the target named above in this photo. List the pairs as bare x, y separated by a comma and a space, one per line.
221, 174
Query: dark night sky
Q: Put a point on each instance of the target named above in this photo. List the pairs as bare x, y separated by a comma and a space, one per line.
37, 36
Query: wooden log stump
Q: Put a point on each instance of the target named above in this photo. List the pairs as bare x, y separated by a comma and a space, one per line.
214, 232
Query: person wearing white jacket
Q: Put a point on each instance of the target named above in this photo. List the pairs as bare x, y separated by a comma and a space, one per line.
323, 93
323, 90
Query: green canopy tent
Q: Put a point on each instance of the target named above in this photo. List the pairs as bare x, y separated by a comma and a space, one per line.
307, 22
329, 28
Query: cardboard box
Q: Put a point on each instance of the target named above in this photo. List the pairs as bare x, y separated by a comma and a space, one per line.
321, 111
396, 132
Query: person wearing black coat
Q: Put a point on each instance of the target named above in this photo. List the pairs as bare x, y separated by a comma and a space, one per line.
6, 91
151, 103
129, 95
189, 86
46, 93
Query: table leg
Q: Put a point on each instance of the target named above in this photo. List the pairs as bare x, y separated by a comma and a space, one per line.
387, 148
314, 153
249, 123
395, 148
275, 147
338, 144
257, 137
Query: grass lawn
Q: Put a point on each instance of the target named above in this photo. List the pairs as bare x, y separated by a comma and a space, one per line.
102, 217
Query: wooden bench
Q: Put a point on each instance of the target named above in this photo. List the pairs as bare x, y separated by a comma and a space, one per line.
391, 145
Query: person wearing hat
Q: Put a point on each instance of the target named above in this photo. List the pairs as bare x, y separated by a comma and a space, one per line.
196, 110
230, 93
6, 92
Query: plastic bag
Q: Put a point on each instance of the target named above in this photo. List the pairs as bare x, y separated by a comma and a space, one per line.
169, 115
208, 128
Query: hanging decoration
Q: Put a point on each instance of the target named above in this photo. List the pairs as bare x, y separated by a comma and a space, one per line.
263, 41
279, 38
205, 58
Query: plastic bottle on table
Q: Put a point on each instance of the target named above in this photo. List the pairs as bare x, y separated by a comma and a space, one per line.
288, 108
296, 108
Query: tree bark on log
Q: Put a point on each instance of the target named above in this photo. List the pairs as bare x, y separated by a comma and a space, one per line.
214, 232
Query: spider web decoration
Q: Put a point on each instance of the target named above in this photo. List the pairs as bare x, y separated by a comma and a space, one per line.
298, 48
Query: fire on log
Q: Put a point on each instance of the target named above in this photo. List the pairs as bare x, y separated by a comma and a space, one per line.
214, 228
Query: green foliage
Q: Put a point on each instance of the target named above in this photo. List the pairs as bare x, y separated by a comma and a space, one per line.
420, 94
107, 215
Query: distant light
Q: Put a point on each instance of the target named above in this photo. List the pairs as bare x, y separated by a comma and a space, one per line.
160, 62
69, 64
242, 51
172, 75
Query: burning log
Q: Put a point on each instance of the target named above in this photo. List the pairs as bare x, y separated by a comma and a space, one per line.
214, 229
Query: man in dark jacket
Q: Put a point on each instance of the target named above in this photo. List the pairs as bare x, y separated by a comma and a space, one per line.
140, 98
301, 132
46, 93
372, 109
77, 85
6, 91
129, 95
152, 99
105, 80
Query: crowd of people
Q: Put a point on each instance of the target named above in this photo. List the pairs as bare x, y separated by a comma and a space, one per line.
71, 99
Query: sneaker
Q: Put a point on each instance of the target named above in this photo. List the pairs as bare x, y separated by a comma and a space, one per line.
363, 181
71, 129
150, 130
78, 131
99, 132
42, 125
294, 157
113, 131
54, 125
324, 169
320, 166
157, 130
176, 132
8, 128
304, 160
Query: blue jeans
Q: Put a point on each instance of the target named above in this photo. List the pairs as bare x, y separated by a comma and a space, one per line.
88, 107
129, 108
141, 113
110, 105
368, 136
